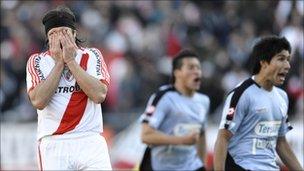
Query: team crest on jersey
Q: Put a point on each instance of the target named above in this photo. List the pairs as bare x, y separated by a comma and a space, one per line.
67, 74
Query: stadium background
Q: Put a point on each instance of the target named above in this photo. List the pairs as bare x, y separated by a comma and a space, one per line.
138, 40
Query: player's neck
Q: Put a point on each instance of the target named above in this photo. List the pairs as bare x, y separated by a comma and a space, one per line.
263, 81
183, 89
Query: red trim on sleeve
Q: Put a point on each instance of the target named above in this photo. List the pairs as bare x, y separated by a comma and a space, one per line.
105, 82
37, 79
31, 70
105, 72
31, 73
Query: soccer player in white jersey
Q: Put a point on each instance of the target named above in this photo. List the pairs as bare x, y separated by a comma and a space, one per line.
255, 121
67, 85
173, 124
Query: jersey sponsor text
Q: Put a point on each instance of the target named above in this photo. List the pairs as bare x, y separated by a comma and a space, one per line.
268, 128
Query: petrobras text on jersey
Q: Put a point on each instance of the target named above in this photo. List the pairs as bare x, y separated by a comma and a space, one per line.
68, 89
267, 128
98, 61
37, 68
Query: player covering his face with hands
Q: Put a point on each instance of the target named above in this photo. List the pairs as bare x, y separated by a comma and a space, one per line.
66, 84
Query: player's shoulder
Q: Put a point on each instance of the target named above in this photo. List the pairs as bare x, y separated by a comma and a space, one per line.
160, 94
280, 91
243, 91
243, 86
164, 87
38, 56
163, 91
34, 55
92, 50
202, 97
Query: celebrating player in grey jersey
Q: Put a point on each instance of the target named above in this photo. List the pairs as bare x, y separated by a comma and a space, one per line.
175, 119
255, 121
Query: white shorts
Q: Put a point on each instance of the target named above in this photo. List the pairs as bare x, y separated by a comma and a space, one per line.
77, 151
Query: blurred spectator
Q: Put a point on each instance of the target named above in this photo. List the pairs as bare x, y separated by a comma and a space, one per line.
8, 89
137, 36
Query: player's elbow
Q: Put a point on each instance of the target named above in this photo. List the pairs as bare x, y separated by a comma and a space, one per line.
99, 98
38, 101
144, 139
39, 104
143, 136
98, 95
146, 134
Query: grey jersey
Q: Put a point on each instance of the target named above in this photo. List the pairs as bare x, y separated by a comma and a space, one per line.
172, 113
256, 118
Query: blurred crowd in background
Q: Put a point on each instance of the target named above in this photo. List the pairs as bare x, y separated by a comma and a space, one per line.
138, 40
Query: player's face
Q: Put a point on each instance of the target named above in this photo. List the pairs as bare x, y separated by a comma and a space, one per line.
278, 68
61, 29
190, 74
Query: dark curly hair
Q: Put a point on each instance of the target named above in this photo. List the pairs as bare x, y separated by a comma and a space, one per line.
265, 49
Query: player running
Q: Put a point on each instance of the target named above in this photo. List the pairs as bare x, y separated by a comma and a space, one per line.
255, 121
174, 121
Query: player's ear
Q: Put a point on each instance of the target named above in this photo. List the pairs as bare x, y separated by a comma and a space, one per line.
74, 33
176, 73
263, 64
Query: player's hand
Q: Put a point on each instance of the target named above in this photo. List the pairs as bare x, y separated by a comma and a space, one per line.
55, 49
190, 139
68, 46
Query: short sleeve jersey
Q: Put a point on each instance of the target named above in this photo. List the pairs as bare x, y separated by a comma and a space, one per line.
256, 118
69, 110
172, 113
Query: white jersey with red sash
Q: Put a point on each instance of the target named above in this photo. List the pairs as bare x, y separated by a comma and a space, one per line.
69, 110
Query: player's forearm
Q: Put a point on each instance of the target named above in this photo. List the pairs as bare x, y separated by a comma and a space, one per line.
220, 153
202, 149
91, 86
43, 92
152, 136
286, 154
159, 138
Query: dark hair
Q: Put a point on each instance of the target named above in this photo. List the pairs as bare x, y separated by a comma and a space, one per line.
177, 62
60, 16
265, 49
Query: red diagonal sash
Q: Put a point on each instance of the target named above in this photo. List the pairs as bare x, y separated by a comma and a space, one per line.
76, 106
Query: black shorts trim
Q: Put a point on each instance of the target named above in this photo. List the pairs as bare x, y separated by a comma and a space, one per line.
201, 169
230, 165
145, 164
